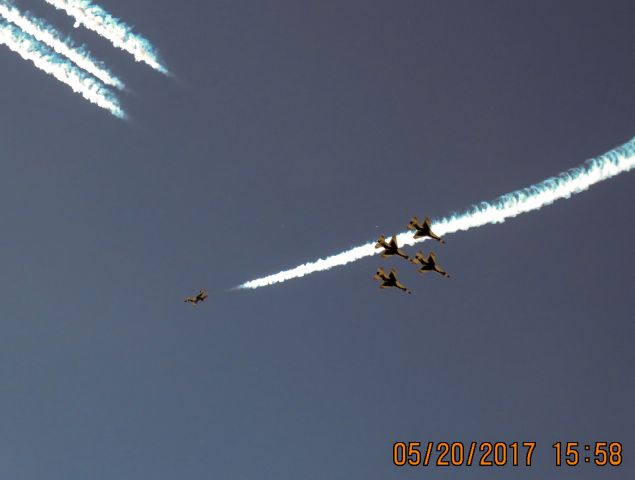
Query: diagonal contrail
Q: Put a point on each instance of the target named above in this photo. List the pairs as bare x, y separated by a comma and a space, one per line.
95, 18
45, 33
65, 71
534, 197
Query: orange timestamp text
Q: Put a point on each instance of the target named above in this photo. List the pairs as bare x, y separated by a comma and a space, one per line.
456, 454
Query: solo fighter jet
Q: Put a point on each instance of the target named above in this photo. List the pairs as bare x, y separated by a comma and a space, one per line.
423, 230
390, 248
201, 296
390, 279
428, 264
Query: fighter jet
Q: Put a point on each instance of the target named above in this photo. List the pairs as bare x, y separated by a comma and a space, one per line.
201, 296
390, 248
423, 230
428, 264
390, 279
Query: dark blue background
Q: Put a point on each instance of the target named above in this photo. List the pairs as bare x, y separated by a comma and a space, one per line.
294, 130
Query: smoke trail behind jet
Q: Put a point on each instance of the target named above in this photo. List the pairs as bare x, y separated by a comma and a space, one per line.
65, 71
95, 18
534, 197
39, 30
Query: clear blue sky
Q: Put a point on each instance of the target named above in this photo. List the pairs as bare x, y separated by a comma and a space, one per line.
293, 130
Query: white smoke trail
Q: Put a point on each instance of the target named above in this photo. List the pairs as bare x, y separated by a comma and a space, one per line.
534, 197
39, 30
95, 18
65, 71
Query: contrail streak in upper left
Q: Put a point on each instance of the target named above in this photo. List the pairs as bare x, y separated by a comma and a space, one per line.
48, 35
65, 71
95, 18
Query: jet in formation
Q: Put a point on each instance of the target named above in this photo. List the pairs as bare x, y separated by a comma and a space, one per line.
423, 230
201, 296
428, 264
389, 280
390, 248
